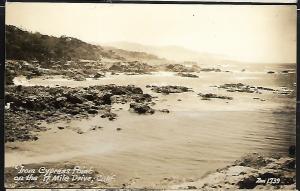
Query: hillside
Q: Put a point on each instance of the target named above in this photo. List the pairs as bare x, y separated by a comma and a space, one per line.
24, 45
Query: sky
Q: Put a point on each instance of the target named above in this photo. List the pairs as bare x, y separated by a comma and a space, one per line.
250, 33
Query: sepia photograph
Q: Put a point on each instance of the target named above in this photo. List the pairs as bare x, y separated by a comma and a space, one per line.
150, 96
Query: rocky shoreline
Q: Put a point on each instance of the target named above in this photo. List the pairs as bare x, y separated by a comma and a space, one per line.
253, 171
27, 107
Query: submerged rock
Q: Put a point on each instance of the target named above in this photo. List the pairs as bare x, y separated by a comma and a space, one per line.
187, 75
210, 96
240, 87
164, 111
210, 70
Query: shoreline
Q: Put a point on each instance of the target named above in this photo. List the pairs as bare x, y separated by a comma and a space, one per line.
253, 171
31, 105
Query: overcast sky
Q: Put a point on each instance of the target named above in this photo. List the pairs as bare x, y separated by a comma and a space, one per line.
246, 32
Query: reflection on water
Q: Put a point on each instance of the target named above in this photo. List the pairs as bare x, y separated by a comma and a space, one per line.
197, 136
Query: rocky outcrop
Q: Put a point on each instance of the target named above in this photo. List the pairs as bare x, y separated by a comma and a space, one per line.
180, 68
131, 68
254, 171
240, 87
169, 89
31, 105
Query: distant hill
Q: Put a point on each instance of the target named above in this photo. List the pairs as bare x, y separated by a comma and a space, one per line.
24, 45
135, 55
173, 53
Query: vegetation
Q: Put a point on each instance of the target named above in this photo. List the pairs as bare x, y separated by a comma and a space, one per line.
28, 46
23, 45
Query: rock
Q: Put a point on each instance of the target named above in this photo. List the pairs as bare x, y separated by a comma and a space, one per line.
61, 99
95, 128
141, 108
74, 98
292, 150
170, 89
253, 160
239, 87
141, 98
210, 70
31, 105
134, 90
99, 75
263, 88
268, 175
191, 187
92, 111
90, 96
181, 68
259, 167
106, 98
164, 111
247, 183
79, 78
287, 180
210, 95
75, 111
187, 75
111, 118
